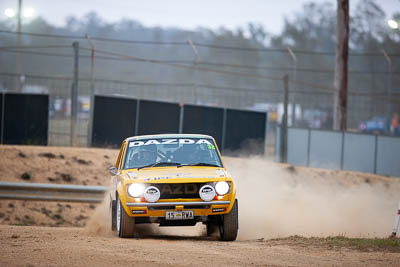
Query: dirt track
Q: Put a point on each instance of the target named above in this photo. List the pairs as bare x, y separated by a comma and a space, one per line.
43, 246
275, 200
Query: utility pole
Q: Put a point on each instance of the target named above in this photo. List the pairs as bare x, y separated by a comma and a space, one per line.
341, 66
389, 92
92, 91
284, 122
74, 94
19, 55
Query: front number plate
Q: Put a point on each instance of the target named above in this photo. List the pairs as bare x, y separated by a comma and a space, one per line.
179, 215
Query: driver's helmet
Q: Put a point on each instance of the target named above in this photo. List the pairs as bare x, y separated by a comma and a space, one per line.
148, 153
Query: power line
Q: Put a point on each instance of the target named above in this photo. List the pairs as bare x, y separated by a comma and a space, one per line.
180, 43
13, 49
39, 53
44, 35
373, 95
34, 46
258, 76
66, 78
250, 75
179, 65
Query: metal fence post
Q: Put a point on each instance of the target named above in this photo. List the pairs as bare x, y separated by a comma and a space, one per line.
137, 117
277, 147
92, 91
376, 154
308, 147
284, 123
19, 53
389, 92
223, 129
74, 94
266, 128
181, 114
342, 151
2, 116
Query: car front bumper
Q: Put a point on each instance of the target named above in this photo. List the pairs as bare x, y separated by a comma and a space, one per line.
193, 203
158, 209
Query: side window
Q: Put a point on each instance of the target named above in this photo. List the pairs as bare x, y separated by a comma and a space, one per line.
121, 156
121, 159
128, 158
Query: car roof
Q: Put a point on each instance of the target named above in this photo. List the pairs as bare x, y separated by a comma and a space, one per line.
156, 136
378, 118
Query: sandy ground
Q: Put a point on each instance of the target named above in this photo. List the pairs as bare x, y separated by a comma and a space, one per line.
275, 200
43, 246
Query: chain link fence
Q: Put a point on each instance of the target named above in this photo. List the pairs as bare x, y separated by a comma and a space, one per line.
310, 91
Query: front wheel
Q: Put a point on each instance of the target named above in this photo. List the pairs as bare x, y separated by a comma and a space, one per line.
125, 223
113, 207
229, 224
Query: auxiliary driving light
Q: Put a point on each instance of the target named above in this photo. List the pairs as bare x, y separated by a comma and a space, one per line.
152, 194
135, 190
222, 188
207, 192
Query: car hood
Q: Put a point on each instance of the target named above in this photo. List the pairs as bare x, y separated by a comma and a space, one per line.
166, 173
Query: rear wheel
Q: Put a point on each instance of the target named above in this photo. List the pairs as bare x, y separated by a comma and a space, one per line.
229, 225
125, 223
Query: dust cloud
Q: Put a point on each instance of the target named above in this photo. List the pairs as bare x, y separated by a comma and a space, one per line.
100, 222
277, 200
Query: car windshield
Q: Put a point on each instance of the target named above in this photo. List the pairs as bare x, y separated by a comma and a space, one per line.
156, 152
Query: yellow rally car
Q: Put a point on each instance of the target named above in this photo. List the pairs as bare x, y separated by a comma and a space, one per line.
172, 180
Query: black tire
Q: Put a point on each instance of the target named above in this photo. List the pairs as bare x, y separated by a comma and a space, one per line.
126, 227
113, 215
229, 225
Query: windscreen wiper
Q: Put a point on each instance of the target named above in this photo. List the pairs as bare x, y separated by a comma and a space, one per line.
199, 164
161, 163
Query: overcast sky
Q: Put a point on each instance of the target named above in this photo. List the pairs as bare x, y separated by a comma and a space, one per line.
187, 14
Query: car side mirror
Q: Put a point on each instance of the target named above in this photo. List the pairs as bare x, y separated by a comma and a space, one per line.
113, 170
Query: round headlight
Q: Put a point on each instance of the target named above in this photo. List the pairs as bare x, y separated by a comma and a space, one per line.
152, 194
135, 190
222, 188
207, 192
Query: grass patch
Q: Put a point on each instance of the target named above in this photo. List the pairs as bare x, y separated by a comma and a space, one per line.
338, 242
365, 244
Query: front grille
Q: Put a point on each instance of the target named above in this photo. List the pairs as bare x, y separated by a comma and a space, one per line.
183, 190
